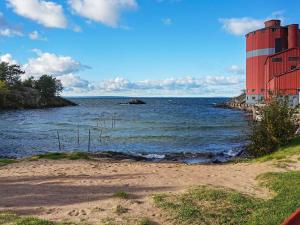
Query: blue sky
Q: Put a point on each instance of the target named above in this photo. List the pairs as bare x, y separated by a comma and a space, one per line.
136, 47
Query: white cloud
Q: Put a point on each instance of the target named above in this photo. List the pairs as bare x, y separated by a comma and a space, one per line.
47, 13
241, 26
236, 69
184, 86
107, 12
9, 32
65, 68
75, 84
35, 35
8, 59
52, 64
167, 21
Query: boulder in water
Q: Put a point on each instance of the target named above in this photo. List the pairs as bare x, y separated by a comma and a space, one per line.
136, 102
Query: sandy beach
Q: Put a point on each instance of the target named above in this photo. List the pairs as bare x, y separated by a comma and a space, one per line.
66, 190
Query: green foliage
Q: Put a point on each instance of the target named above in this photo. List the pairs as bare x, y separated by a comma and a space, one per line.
32, 221
49, 86
274, 130
30, 82
121, 194
13, 219
3, 92
213, 206
293, 148
5, 161
58, 156
10, 218
11, 74
14, 93
146, 221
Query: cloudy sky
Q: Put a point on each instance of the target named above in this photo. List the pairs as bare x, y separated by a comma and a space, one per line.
136, 47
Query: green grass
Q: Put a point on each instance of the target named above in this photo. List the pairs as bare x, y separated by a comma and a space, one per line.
11, 218
293, 148
145, 221
121, 194
214, 206
5, 161
58, 156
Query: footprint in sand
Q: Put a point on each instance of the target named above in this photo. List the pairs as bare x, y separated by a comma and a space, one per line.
76, 212
52, 211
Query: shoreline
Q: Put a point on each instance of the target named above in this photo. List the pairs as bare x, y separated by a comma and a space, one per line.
192, 158
84, 190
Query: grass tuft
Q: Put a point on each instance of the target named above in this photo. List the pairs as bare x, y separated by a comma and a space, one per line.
145, 221
121, 194
120, 210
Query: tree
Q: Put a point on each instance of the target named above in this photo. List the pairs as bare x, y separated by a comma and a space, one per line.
275, 129
49, 86
30, 82
11, 74
3, 92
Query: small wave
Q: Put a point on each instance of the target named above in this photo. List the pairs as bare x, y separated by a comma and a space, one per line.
153, 156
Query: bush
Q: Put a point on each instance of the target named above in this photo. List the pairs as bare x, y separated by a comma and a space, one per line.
49, 86
274, 130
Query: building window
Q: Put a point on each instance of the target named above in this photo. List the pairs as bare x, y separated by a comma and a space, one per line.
253, 97
274, 29
247, 98
294, 58
253, 90
278, 45
278, 59
293, 67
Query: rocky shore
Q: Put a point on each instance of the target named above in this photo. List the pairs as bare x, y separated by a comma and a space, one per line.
238, 102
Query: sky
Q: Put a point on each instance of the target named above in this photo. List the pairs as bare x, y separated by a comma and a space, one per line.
180, 48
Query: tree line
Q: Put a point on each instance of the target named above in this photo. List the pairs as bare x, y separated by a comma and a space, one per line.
10, 81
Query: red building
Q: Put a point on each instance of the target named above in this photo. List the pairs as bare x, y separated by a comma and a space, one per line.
273, 62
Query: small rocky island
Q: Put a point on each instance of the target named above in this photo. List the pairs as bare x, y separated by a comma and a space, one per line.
136, 102
29, 93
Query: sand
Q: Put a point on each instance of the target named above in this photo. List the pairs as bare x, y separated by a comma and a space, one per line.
81, 190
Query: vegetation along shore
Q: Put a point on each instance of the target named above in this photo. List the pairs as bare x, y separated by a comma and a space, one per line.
29, 93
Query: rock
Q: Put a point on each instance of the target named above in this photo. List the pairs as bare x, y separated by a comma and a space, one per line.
136, 102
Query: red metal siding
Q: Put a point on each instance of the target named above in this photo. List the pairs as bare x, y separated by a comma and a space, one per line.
279, 72
258, 40
293, 31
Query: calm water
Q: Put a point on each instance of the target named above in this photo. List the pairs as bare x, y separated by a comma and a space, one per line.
161, 126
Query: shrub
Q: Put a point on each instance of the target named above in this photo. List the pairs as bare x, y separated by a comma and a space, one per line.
274, 130
121, 194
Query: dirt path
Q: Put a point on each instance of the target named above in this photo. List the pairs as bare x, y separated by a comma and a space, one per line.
83, 190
